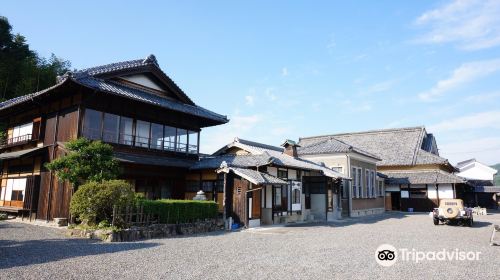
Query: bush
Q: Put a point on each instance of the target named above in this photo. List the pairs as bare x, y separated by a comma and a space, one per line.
3, 216
93, 202
179, 211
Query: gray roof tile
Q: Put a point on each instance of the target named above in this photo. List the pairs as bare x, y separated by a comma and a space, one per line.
394, 146
331, 145
422, 177
256, 177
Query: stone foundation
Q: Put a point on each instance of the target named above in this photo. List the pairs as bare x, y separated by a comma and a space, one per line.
147, 232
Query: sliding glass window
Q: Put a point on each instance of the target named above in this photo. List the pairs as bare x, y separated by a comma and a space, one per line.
142, 134
182, 140
126, 131
193, 142
92, 124
110, 128
169, 138
156, 136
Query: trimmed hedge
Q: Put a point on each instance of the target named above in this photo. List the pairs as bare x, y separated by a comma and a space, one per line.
171, 211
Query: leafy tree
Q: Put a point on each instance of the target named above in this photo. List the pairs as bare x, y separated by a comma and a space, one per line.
93, 202
22, 71
86, 161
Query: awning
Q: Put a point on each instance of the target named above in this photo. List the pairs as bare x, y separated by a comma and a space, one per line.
153, 160
21, 153
253, 176
422, 177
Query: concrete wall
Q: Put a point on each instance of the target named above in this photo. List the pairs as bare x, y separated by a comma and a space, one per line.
318, 206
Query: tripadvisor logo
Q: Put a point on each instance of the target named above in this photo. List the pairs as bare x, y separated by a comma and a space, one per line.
387, 255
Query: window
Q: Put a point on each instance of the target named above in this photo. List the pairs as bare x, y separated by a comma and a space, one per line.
354, 183
21, 133
142, 134
182, 140
296, 196
92, 124
156, 136
360, 182
169, 138
126, 136
418, 193
110, 128
380, 188
277, 195
15, 190
193, 142
283, 173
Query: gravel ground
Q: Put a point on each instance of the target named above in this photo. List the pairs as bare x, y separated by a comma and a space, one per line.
319, 251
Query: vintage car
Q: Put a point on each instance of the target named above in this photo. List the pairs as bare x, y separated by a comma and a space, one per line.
452, 211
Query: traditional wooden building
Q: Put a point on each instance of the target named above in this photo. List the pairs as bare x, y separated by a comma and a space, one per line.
417, 177
152, 124
267, 184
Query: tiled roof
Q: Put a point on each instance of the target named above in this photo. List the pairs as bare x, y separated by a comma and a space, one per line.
277, 157
422, 177
214, 162
256, 177
394, 146
148, 63
91, 78
142, 96
465, 162
424, 157
331, 145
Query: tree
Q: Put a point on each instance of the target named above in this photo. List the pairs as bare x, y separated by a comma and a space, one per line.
85, 161
22, 71
94, 201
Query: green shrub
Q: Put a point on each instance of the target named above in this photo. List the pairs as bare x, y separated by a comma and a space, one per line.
179, 211
93, 202
3, 216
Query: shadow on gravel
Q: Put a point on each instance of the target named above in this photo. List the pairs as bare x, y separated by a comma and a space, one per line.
22, 253
477, 224
372, 219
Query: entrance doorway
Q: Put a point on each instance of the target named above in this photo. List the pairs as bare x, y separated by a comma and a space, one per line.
396, 201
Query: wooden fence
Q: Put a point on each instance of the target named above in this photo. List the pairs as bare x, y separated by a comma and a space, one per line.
132, 216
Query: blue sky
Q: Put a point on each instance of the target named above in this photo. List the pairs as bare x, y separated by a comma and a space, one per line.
283, 69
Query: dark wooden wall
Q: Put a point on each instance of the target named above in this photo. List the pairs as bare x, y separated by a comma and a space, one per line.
239, 201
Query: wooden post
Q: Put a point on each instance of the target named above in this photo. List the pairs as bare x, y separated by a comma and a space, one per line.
224, 211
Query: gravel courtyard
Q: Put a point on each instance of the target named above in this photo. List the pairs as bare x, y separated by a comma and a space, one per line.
319, 251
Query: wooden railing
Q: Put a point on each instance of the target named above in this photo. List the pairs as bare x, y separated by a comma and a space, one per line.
18, 140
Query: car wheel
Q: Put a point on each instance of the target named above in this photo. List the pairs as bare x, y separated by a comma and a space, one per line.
436, 221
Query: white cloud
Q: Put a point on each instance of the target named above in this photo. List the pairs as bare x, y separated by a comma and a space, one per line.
486, 150
471, 24
482, 120
284, 72
249, 100
269, 93
464, 74
483, 98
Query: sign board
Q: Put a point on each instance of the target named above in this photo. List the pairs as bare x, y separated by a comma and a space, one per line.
296, 197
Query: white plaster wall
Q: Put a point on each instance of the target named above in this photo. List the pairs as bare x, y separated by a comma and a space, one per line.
272, 171
431, 192
143, 80
478, 172
445, 191
292, 174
